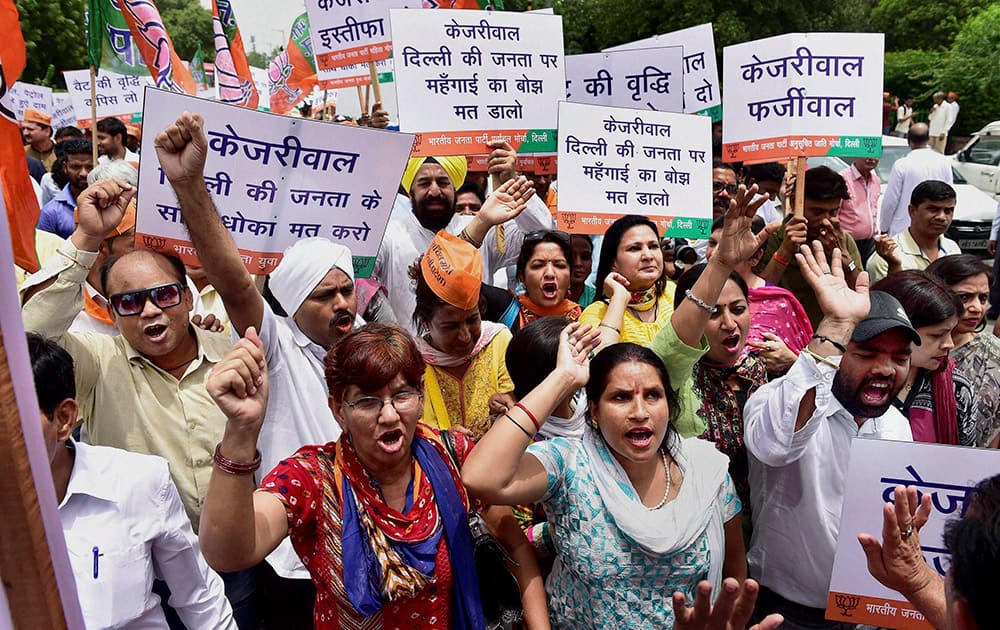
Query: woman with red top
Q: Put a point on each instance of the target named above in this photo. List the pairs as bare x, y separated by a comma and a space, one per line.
380, 518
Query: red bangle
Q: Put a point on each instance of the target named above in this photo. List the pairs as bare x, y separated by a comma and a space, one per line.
235, 468
781, 260
530, 415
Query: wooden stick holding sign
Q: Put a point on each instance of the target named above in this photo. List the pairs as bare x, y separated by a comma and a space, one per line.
374, 83
361, 100
93, 113
801, 164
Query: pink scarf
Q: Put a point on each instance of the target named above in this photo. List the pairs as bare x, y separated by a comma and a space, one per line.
433, 356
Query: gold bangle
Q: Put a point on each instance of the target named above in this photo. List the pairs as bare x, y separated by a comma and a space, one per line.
820, 358
610, 327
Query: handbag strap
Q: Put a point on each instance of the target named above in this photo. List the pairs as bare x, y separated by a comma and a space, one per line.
433, 391
449, 445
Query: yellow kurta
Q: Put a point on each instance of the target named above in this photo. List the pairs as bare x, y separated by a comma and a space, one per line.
466, 400
634, 330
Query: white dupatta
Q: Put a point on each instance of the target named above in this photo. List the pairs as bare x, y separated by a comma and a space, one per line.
678, 524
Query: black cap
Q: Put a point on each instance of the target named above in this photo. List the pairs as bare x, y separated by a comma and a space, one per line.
885, 314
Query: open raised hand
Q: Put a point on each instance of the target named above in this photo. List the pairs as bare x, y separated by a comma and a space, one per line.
506, 202
731, 611
897, 562
738, 242
837, 300
576, 343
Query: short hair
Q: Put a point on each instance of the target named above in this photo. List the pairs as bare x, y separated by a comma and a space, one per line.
469, 187
691, 275
531, 354
931, 190
112, 127
614, 355
959, 267
426, 300
765, 172
926, 299
76, 146
940, 95
529, 245
974, 544
68, 131
609, 249
175, 264
825, 184
370, 358
59, 177
918, 135
729, 167
114, 169
52, 368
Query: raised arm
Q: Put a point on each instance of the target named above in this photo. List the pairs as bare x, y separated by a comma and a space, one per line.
498, 470
239, 527
181, 149
505, 203
795, 235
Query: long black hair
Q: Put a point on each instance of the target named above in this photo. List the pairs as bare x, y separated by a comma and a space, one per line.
609, 250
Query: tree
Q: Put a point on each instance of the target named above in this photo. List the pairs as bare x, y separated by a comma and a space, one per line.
53, 38
971, 70
931, 25
189, 25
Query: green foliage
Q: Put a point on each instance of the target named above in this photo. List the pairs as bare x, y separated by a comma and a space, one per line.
189, 25
261, 59
973, 70
53, 37
929, 25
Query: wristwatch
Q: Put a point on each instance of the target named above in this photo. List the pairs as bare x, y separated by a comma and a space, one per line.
851, 266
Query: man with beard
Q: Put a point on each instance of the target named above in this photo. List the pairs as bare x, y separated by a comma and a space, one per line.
798, 431
314, 285
430, 184
57, 214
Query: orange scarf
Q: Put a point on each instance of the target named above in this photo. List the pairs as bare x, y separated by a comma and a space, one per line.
567, 309
95, 310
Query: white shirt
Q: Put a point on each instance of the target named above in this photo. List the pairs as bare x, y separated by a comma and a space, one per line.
297, 410
903, 126
130, 156
49, 188
406, 240
798, 478
124, 525
995, 230
940, 119
917, 166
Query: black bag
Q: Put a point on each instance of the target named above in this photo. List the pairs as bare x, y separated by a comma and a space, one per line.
498, 589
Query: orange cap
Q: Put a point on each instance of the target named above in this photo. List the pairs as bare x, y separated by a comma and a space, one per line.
454, 270
37, 117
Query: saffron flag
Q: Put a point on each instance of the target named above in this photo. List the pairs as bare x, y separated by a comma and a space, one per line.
232, 70
109, 40
198, 70
155, 48
291, 75
476, 5
18, 193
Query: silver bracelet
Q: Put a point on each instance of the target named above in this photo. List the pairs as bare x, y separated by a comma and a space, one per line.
700, 302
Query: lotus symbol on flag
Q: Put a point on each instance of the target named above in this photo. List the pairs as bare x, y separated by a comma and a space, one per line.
151, 30
278, 72
232, 89
847, 603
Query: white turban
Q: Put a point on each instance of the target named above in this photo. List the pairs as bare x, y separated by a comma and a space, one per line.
304, 266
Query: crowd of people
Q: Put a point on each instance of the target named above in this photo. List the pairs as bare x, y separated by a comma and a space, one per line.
664, 446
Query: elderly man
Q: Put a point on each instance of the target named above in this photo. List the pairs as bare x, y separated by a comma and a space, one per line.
122, 518
798, 430
859, 214
941, 118
920, 164
143, 390
57, 214
313, 284
36, 130
431, 184
932, 207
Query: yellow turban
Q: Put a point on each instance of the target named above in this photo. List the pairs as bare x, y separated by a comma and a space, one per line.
455, 166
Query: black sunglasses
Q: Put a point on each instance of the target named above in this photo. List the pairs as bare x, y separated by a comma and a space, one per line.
132, 302
732, 189
538, 235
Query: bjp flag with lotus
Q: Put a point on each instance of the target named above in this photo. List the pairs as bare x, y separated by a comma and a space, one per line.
291, 74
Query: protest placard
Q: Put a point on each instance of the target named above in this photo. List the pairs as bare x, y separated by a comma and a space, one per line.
63, 113
349, 32
701, 72
803, 94
275, 179
538, 164
650, 77
22, 96
466, 78
614, 162
117, 94
947, 473
355, 75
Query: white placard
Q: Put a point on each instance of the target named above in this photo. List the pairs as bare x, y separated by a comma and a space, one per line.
876, 467
117, 94
63, 112
467, 77
22, 96
803, 94
349, 32
645, 78
275, 179
614, 162
701, 72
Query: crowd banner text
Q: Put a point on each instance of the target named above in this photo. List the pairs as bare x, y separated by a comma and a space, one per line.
274, 179
651, 78
22, 96
116, 94
350, 32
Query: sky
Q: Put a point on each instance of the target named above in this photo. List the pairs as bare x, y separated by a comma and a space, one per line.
267, 21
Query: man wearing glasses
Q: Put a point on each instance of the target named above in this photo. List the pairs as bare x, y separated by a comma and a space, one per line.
143, 391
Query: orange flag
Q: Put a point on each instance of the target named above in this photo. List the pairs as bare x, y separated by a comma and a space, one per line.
153, 41
291, 74
18, 193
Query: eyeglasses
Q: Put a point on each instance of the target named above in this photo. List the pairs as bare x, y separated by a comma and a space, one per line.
540, 234
371, 406
132, 302
718, 187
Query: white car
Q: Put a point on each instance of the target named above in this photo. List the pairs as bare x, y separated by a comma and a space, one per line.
979, 159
